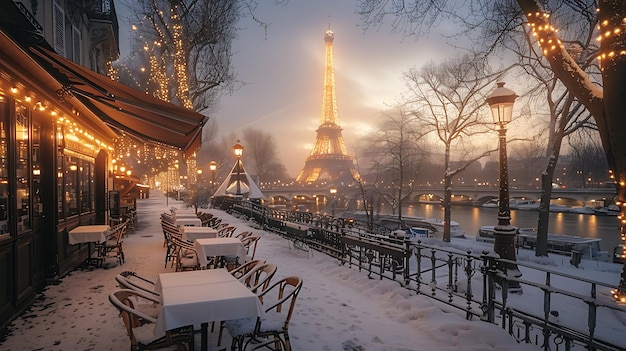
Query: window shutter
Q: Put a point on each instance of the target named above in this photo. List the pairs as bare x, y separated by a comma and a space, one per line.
76, 45
58, 22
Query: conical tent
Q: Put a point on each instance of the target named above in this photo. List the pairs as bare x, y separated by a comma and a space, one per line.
239, 178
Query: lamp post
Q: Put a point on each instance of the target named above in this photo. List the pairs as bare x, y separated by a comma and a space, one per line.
238, 149
198, 188
501, 103
333, 193
213, 168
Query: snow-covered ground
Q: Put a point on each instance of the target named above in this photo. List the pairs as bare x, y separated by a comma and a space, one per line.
338, 308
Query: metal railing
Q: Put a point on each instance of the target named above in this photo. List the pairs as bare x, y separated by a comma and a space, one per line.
469, 281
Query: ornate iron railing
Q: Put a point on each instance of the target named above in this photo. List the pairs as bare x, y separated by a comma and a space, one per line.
467, 280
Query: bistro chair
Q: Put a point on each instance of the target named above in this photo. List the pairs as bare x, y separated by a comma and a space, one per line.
261, 277
187, 258
278, 301
226, 231
131, 281
140, 326
242, 235
249, 243
112, 247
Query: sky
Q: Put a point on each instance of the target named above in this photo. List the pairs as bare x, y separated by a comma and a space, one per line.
284, 72
339, 308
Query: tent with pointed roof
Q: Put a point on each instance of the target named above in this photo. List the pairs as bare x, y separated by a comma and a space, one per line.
239, 178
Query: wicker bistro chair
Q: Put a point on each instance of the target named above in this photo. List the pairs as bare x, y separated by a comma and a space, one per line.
170, 247
186, 255
261, 277
243, 270
249, 243
272, 328
133, 281
130, 280
140, 326
226, 231
256, 275
113, 247
242, 235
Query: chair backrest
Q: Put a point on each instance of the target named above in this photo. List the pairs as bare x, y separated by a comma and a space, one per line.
226, 231
262, 276
130, 280
243, 269
242, 235
123, 300
283, 292
250, 242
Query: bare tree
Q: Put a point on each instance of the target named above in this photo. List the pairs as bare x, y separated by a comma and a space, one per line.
261, 150
447, 100
527, 161
394, 152
587, 162
607, 104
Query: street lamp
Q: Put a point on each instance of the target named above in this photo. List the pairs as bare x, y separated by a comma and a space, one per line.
333, 193
238, 149
501, 103
213, 168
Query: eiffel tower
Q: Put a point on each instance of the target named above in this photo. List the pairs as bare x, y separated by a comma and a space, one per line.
329, 156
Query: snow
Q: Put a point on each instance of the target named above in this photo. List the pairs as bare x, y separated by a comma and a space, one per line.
338, 308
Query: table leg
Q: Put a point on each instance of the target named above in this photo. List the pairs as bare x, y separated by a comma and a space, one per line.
204, 344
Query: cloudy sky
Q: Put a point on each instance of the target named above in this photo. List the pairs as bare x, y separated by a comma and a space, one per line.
283, 72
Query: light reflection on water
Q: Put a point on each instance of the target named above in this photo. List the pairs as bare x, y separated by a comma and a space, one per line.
471, 218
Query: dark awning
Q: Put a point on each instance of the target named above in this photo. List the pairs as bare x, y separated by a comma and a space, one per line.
127, 109
24, 68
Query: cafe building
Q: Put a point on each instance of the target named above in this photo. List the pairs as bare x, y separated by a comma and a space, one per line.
60, 115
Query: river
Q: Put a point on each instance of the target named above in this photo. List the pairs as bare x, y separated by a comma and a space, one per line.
471, 218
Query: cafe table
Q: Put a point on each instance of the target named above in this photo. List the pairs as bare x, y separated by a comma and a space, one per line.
188, 221
193, 233
185, 215
200, 297
218, 247
88, 234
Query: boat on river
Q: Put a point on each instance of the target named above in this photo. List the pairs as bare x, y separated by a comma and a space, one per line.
610, 210
526, 238
412, 226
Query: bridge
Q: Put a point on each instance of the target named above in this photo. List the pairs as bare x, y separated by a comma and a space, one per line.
475, 195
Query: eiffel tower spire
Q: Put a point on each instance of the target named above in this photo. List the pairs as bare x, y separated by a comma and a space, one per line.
329, 155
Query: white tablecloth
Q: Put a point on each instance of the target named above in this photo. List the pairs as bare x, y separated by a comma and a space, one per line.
187, 221
193, 233
219, 247
196, 297
88, 234
185, 215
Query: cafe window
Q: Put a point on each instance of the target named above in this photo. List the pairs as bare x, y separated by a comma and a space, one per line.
4, 171
36, 167
71, 187
86, 186
22, 168
60, 159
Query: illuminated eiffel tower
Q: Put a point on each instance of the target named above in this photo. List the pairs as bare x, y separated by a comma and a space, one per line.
329, 156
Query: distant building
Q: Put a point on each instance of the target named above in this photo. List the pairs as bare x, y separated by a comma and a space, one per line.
329, 156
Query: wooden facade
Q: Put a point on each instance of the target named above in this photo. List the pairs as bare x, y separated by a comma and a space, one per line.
53, 151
